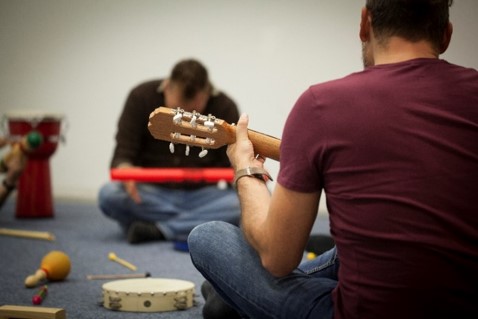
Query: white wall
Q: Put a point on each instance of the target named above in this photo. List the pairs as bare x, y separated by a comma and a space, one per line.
80, 59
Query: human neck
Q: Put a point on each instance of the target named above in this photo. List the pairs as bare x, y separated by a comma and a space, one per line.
399, 50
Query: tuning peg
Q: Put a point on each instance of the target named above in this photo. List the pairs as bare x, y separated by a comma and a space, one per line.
203, 153
209, 123
171, 147
187, 150
193, 120
177, 118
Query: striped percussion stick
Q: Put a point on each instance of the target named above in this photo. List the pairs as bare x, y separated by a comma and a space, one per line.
40, 295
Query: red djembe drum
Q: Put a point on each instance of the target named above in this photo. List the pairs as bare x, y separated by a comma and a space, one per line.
34, 196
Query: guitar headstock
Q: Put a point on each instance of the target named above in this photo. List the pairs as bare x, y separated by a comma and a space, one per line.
190, 128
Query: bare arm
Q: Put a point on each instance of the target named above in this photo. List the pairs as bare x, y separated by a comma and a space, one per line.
277, 226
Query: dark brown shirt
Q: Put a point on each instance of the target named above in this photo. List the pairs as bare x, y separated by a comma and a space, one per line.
136, 145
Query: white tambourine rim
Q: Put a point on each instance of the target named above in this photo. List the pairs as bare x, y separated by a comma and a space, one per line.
148, 295
137, 285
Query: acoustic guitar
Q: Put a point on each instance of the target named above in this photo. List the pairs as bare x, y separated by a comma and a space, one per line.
205, 131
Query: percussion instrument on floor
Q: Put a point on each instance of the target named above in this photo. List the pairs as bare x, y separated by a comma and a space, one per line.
148, 295
54, 266
29, 312
34, 197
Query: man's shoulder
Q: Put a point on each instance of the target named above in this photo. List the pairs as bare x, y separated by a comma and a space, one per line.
221, 100
150, 85
223, 106
350, 80
221, 96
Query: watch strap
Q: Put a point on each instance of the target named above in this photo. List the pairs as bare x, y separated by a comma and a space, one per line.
256, 172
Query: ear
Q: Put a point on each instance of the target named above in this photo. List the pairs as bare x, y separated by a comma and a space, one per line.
166, 83
446, 38
365, 25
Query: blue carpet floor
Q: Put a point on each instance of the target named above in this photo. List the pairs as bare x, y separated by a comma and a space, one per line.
87, 237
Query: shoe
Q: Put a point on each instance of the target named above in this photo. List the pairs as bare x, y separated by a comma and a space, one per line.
215, 307
139, 232
319, 244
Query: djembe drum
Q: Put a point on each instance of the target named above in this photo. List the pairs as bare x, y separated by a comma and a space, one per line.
34, 196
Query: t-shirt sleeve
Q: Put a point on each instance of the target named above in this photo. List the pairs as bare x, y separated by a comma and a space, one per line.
300, 146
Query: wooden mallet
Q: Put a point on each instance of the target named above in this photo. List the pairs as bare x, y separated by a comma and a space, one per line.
112, 256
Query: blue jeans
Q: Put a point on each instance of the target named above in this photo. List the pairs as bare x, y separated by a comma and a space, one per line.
175, 212
220, 252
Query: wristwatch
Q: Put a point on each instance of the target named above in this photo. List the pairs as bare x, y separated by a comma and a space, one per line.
256, 172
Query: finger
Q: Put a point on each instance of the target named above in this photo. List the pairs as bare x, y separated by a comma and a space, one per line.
135, 195
3, 142
131, 189
260, 158
241, 129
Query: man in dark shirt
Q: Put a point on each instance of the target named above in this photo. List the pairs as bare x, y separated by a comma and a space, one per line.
169, 211
395, 149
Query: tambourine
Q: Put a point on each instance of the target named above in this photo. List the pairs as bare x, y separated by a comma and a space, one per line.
148, 295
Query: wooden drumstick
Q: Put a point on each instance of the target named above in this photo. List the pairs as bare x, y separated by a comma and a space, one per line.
27, 234
112, 256
120, 276
54, 266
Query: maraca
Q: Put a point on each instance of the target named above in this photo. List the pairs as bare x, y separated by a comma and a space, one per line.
32, 140
54, 266
28, 143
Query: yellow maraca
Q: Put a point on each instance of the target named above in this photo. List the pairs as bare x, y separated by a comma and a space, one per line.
54, 266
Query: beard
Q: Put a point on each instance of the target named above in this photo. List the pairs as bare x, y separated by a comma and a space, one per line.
367, 56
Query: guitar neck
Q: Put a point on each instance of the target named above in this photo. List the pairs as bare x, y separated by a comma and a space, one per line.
264, 145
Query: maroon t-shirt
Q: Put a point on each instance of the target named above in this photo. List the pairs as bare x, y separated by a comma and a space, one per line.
395, 149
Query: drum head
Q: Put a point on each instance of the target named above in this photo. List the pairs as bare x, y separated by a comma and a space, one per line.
148, 285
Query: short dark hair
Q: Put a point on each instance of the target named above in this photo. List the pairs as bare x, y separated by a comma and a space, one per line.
192, 76
413, 20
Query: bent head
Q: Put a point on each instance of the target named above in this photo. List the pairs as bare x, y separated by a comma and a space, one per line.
188, 86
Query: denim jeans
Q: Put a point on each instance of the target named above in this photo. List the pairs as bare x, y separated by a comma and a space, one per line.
220, 252
176, 212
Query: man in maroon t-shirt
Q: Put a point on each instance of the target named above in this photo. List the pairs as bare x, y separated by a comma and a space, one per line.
395, 148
